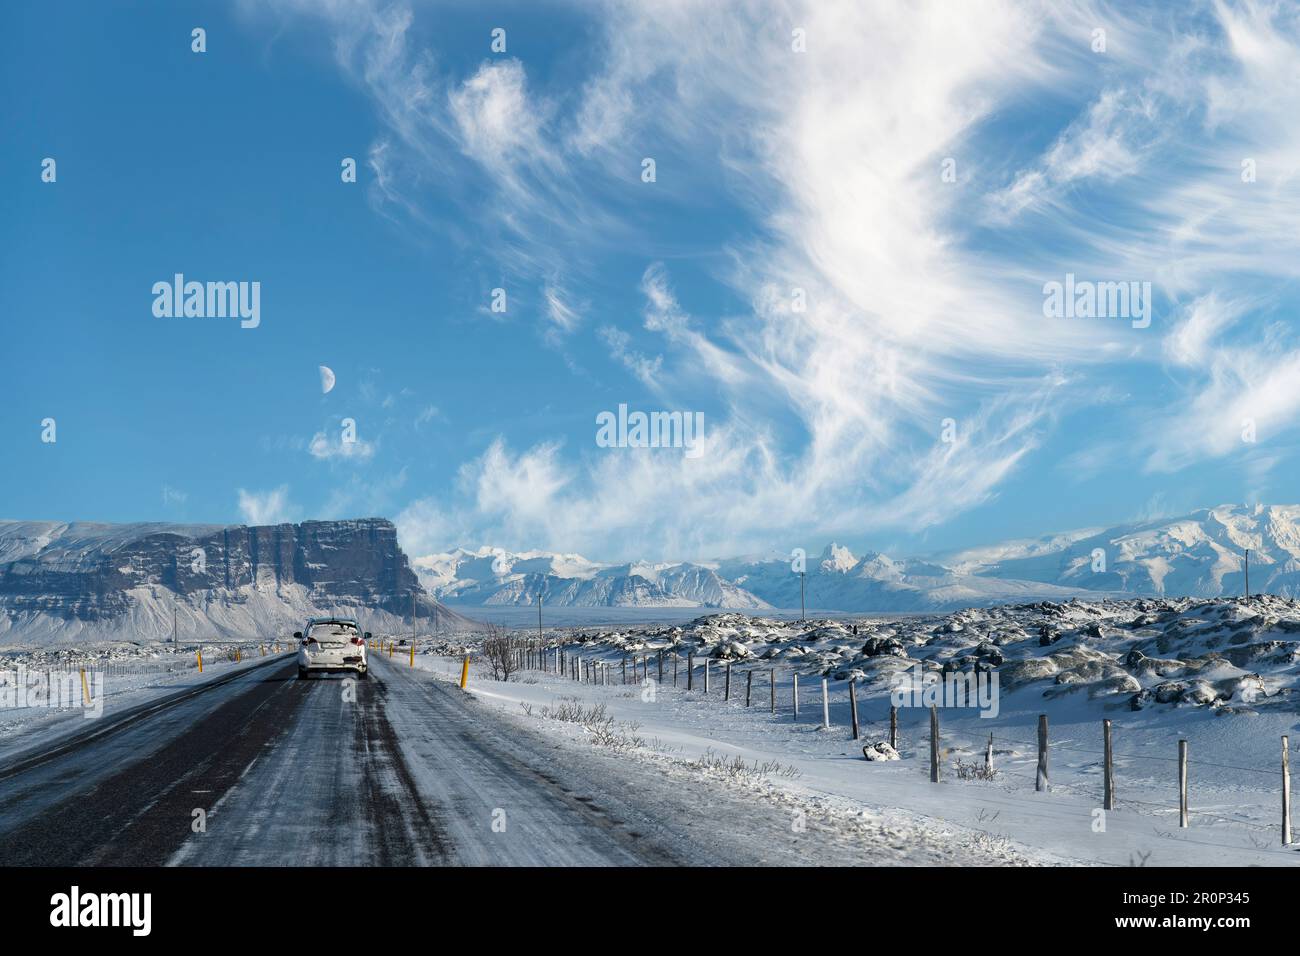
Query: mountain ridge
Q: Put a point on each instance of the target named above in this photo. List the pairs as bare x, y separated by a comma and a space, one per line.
86, 580
1199, 554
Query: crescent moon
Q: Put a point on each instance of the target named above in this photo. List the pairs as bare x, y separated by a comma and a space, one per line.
326, 379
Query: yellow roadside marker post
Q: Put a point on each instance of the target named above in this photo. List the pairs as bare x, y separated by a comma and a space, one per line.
464, 673
412, 655
200, 657
85, 688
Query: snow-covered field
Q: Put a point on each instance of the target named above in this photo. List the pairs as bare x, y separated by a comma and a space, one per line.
118, 676
1220, 674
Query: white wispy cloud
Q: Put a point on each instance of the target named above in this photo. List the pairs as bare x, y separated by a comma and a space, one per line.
648, 370
324, 448
499, 124
1192, 338
916, 299
267, 507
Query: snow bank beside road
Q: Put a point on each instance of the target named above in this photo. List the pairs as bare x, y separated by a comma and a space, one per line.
1094, 660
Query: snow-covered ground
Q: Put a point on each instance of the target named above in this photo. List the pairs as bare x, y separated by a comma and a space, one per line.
118, 676
1220, 674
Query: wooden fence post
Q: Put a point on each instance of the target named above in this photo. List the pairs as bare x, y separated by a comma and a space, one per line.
771, 679
934, 744
1108, 802
660, 655
707, 661
853, 705
749, 686
676, 657
1040, 779
796, 695
690, 671
1182, 783
988, 757
726, 687
625, 668
1286, 792
826, 706
893, 726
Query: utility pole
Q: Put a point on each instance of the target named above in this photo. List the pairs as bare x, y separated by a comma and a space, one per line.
412, 616
539, 616
173, 624
435, 619
803, 613
1248, 574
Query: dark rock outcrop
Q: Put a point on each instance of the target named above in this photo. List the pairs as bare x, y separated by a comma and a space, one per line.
95, 573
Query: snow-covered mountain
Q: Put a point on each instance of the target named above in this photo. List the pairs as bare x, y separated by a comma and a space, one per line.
1201, 554
61, 581
493, 576
840, 581
85, 581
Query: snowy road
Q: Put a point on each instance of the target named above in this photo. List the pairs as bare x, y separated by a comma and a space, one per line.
394, 770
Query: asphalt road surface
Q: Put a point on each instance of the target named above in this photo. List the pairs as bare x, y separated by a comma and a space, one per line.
259, 768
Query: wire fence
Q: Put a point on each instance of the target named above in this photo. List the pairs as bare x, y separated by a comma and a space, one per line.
568, 660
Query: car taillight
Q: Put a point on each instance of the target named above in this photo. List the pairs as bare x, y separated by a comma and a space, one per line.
357, 641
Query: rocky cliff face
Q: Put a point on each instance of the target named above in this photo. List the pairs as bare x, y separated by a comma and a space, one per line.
79, 577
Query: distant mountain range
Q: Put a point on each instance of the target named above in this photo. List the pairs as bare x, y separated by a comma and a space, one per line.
1202, 554
84, 581
492, 576
71, 581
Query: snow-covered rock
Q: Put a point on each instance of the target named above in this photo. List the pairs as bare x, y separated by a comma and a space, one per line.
880, 750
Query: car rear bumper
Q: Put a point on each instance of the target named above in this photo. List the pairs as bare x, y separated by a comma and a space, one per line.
331, 661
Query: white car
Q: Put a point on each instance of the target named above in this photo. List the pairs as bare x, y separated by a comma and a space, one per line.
331, 644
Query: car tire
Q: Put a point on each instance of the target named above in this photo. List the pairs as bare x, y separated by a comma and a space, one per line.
302, 673
363, 673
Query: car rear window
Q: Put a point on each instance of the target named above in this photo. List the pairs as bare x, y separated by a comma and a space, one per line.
332, 630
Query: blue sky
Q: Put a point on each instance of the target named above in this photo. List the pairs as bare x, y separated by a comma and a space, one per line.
797, 146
